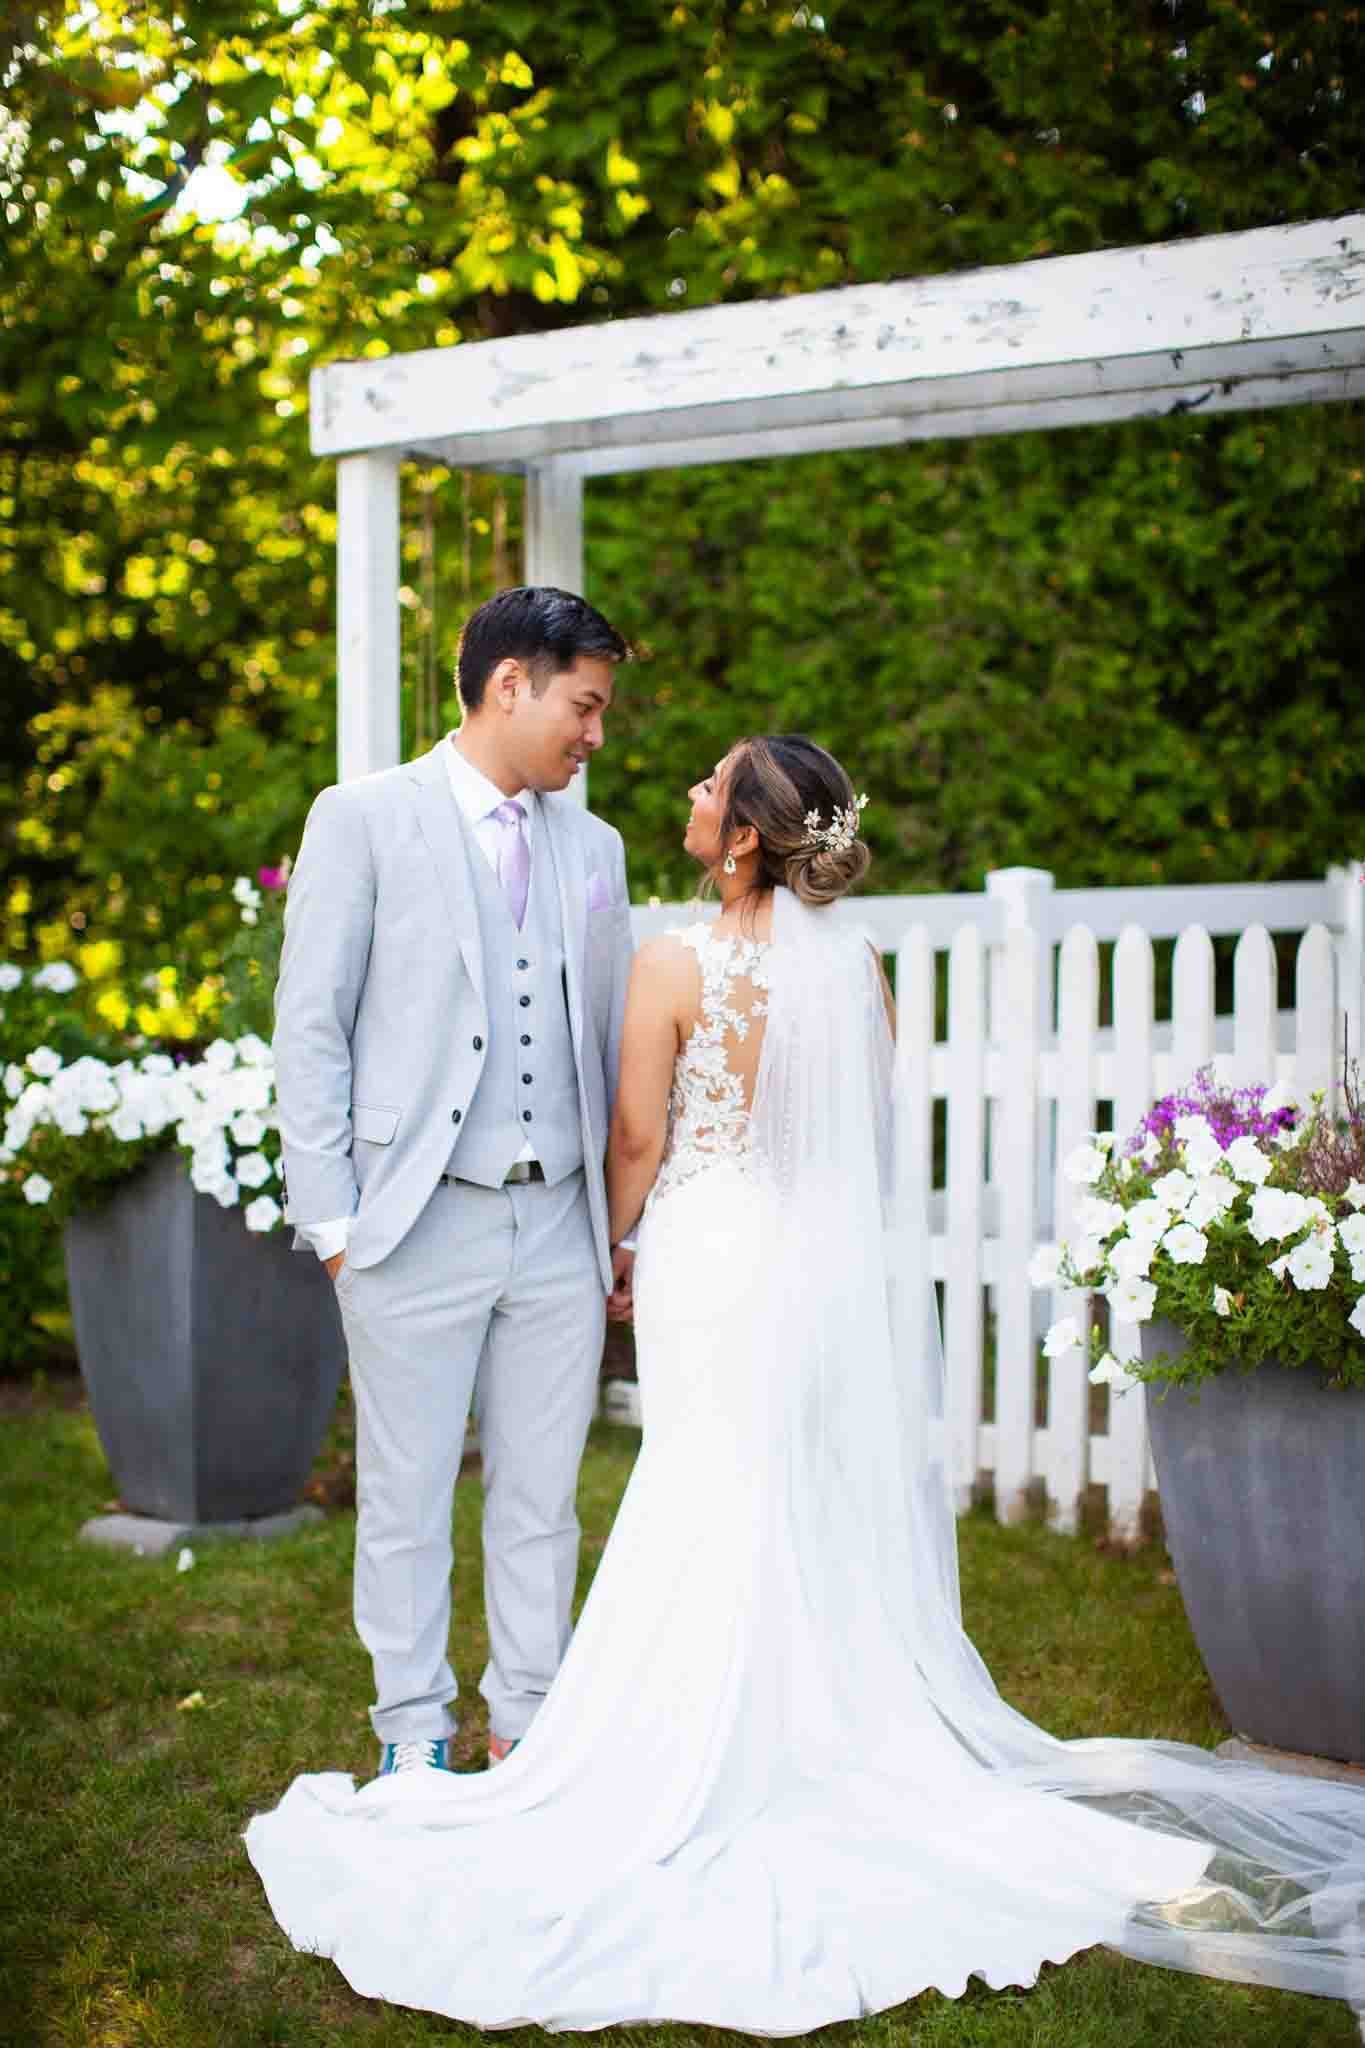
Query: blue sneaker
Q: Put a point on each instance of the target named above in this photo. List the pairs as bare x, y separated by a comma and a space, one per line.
397, 1758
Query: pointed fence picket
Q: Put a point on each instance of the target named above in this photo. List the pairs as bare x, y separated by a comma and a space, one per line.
1022, 1070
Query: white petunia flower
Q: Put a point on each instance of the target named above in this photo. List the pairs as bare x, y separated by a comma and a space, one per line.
1148, 1219
59, 975
158, 1063
227, 1193
244, 891
1185, 1245
262, 1214
16, 1080
1085, 1253
220, 1056
253, 1169
1187, 1128
10, 977
1109, 1371
44, 1062
1214, 1194
1358, 1269
1064, 1336
1357, 1316
1102, 1140
1127, 1168
1083, 1165
1352, 1234
1131, 1301
1279, 1267
1203, 1156
1310, 1265
253, 1051
1277, 1213
1098, 1218
1042, 1267
1246, 1159
35, 1189
1150, 1149
1174, 1189
126, 1125
1222, 1302
70, 1120
1355, 1194
1131, 1257
247, 1128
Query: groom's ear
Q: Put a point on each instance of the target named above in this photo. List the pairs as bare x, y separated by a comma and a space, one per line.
504, 682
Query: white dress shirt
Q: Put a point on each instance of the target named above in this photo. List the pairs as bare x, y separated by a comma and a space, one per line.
478, 798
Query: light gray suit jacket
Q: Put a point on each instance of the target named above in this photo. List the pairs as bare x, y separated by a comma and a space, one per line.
381, 997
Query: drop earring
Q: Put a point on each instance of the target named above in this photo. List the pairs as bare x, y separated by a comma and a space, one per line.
728, 864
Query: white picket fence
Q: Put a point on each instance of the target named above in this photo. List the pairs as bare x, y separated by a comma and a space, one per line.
1021, 1076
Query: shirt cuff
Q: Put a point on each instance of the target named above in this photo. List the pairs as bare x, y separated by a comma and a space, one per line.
329, 1238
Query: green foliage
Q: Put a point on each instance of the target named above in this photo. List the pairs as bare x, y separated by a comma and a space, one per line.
973, 626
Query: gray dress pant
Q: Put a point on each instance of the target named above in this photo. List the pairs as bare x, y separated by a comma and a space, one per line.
493, 1295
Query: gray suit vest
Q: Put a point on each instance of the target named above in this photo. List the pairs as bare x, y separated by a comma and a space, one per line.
528, 1089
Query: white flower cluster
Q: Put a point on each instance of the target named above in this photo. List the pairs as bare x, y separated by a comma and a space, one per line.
59, 977
247, 897
1117, 1245
222, 1107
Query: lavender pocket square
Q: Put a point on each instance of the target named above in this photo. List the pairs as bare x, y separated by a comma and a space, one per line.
599, 894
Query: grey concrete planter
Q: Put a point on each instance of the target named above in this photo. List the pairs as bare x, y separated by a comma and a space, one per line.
211, 1356
1262, 1482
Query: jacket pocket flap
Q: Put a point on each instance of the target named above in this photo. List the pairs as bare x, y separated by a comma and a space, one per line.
374, 1123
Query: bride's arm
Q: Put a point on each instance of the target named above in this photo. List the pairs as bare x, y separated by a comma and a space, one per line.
649, 1046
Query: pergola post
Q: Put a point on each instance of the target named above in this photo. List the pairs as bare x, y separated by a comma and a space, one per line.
368, 695
552, 549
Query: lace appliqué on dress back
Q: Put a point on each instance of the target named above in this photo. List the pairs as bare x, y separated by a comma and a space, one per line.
708, 1108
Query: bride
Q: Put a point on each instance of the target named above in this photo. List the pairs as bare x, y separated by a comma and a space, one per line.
773, 1785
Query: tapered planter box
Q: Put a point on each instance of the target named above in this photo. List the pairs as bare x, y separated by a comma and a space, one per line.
1262, 1479
211, 1355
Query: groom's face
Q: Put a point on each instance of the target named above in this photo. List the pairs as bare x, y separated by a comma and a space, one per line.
556, 731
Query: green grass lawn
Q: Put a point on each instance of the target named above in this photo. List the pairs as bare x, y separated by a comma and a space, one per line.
131, 1918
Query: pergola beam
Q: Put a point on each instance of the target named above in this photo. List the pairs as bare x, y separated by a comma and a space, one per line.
1241, 315
1275, 316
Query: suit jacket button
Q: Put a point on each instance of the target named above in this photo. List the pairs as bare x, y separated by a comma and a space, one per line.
525, 1002
526, 1079
523, 963
526, 1116
526, 1038
455, 1115
478, 1045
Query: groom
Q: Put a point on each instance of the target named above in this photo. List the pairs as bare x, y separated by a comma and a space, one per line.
448, 1021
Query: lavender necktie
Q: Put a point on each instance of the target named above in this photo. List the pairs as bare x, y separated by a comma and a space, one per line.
514, 858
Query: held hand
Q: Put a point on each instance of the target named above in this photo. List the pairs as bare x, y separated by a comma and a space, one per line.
621, 1300
334, 1264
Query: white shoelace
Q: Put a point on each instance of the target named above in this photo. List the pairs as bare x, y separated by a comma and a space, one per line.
414, 1756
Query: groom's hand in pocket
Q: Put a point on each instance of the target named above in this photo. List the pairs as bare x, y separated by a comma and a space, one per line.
621, 1300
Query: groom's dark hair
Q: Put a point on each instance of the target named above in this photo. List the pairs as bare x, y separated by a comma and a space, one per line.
544, 628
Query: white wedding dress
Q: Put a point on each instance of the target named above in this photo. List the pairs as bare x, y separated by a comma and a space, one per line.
773, 1786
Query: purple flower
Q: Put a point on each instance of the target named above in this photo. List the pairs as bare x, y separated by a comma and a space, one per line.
1229, 1112
272, 878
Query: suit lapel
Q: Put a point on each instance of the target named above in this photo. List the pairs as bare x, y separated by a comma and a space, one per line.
439, 817
563, 841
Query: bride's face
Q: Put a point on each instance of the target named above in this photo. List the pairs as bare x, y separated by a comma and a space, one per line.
702, 838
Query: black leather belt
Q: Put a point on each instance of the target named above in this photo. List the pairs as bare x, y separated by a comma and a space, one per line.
517, 1175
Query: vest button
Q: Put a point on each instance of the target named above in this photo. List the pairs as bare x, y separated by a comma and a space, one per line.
526, 1038
526, 1116
478, 1045
455, 1116
523, 963
525, 1002
526, 1080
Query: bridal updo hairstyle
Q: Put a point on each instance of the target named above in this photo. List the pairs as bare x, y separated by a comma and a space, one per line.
774, 783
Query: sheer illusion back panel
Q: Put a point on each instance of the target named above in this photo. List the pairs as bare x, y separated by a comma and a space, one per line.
717, 1066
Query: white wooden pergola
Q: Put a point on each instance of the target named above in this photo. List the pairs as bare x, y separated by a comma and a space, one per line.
1225, 323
